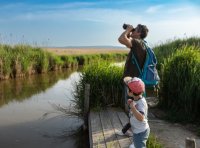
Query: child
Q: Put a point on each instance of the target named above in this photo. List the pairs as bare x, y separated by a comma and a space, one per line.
138, 112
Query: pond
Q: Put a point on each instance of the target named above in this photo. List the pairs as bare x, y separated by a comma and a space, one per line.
30, 115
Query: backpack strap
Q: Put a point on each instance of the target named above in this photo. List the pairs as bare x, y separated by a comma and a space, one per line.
138, 67
136, 62
145, 63
150, 52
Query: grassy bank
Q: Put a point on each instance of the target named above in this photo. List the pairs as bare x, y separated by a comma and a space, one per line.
180, 90
106, 87
22, 60
179, 67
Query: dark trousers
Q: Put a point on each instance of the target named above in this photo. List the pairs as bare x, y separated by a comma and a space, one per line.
126, 97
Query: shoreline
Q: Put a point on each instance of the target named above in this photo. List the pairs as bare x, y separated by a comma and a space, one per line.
84, 51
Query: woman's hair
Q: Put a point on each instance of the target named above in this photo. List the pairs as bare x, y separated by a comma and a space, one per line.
143, 30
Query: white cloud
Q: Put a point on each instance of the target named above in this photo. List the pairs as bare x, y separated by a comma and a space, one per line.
154, 9
164, 30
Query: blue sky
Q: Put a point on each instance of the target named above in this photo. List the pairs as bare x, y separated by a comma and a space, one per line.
95, 22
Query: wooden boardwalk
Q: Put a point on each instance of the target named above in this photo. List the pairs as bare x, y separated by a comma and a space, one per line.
103, 126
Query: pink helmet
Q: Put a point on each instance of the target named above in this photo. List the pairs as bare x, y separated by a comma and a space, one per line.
136, 85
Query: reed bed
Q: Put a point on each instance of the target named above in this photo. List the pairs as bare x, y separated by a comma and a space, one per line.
178, 65
164, 50
180, 90
22, 60
105, 85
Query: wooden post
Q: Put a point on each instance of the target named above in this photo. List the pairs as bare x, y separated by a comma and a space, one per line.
190, 143
86, 104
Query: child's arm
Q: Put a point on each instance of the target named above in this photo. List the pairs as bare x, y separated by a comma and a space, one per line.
138, 115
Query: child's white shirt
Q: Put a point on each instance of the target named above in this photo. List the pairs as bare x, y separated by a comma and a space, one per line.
136, 125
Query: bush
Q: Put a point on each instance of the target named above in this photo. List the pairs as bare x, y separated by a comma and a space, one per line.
105, 85
180, 84
165, 50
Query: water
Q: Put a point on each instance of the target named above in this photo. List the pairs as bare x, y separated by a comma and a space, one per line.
28, 117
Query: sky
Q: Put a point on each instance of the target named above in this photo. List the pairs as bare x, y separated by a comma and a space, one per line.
61, 23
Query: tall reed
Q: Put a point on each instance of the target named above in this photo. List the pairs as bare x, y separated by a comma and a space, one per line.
164, 50
105, 85
180, 84
5, 61
19, 60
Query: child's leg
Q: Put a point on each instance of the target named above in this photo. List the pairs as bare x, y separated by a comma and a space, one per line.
140, 139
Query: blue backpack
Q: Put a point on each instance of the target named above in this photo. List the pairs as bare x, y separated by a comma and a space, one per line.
148, 73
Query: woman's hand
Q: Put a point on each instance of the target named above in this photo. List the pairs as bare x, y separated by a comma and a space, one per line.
129, 28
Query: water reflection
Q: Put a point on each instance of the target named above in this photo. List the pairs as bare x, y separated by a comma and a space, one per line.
23, 102
23, 88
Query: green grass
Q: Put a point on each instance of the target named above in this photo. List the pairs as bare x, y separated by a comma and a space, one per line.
153, 142
165, 50
180, 84
105, 85
179, 67
21, 60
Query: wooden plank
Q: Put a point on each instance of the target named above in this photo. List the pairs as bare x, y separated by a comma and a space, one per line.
124, 141
86, 99
109, 133
90, 130
96, 131
86, 105
124, 119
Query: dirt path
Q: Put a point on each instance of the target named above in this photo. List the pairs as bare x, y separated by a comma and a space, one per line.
169, 134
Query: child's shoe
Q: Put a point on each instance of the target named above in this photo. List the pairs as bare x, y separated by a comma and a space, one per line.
132, 146
128, 133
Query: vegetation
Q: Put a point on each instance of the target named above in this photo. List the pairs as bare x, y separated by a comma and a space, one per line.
179, 68
153, 142
105, 85
86, 51
178, 65
21, 60
180, 84
106, 89
165, 50
179, 71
